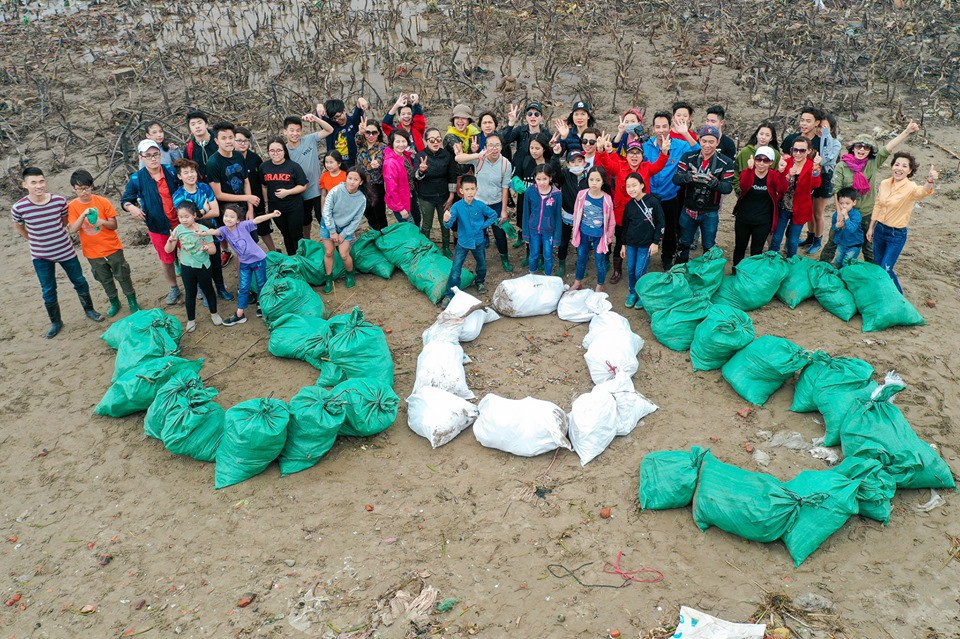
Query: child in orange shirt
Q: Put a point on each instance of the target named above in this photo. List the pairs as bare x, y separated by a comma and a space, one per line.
334, 173
95, 219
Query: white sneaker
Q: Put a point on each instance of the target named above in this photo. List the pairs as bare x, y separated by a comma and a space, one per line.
216, 319
191, 326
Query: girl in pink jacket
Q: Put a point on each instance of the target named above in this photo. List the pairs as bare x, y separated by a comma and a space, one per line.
594, 223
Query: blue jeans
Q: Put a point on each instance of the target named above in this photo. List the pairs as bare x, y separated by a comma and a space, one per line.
47, 274
589, 244
541, 244
247, 272
459, 257
706, 222
887, 244
845, 253
638, 259
785, 219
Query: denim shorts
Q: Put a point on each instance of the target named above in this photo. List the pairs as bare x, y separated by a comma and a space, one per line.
325, 234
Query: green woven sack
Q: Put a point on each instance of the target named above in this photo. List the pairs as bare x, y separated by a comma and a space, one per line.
829, 500
142, 322
400, 242
876, 429
370, 406
300, 337
136, 389
429, 270
360, 350
668, 478
704, 273
287, 295
796, 287
755, 506
825, 376
310, 257
658, 291
757, 280
193, 428
183, 386
674, 327
876, 489
757, 371
314, 424
330, 375
877, 298
724, 331
836, 405
254, 435
831, 292
280, 265
367, 258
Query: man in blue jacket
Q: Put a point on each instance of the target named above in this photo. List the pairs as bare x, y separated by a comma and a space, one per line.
148, 197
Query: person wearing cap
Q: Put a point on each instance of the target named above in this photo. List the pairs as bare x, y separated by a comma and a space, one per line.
707, 176
619, 168
765, 135
523, 163
573, 179
761, 187
858, 168
579, 120
459, 134
586, 143
148, 197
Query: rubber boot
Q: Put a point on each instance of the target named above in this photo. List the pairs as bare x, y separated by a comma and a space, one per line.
132, 303
617, 269
562, 268
350, 281
88, 309
446, 249
53, 312
507, 267
114, 306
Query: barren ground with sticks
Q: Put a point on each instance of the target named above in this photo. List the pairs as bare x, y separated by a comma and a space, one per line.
517, 542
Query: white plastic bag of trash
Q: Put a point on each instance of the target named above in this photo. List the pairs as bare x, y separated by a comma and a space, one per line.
525, 427
583, 305
440, 365
528, 295
612, 353
461, 321
694, 624
631, 405
438, 415
604, 323
592, 423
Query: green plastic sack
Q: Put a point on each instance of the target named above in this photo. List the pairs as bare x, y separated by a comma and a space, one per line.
724, 331
757, 371
829, 500
140, 322
136, 389
831, 292
826, 375
370, 406
668, 478
876, 489
877, 298
367, 258
757, 280
674, 327
280, 265
300, 337
310, 257
836, 405
704, 273
658, 291
330, 375
876, 429
183, 386
796, 286
400, 242
755, 506
360, 349
314, 424
193, 428
287, 295
140, 347
429, 271
254, 435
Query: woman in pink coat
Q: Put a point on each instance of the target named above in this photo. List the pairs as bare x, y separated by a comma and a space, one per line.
398, 178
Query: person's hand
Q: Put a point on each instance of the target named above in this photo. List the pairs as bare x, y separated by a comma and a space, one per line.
401, 101
870, 235
482, 155
503, 216
172, 146
276, 213
475, 144
912, 128
310, 117
665, 145
457, 148
321, 111
253, 199
281, 193
250, 214
794, 170
816, 161
137, 213
423, 164
362, 103
782, 165
680, 125
514, 112
335, 238
405, 214
561, 126
621, 127
750, 163
446, 215
654, 249
375, 164
932, 175
414, 99
623, 252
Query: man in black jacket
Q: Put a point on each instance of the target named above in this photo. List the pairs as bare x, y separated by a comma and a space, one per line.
707, 175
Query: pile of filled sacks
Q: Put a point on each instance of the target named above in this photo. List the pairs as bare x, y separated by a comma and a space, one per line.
439, 408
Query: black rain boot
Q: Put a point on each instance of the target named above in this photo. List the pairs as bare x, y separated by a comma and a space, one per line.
87, 303
617, 268
53, 312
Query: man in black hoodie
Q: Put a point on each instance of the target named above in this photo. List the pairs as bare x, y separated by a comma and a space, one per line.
523, 164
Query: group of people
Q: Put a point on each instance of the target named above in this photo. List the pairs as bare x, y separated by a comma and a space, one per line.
622, 199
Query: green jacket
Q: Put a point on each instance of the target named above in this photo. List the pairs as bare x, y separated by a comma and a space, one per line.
843, 177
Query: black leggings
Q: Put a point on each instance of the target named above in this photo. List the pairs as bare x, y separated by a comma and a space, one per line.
618, 242
312, 208
671, 231
216, 269
192, 278
565, 234
290, 225
376, 212
753, 234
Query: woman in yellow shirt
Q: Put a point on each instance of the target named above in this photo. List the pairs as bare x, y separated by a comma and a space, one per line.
891, 213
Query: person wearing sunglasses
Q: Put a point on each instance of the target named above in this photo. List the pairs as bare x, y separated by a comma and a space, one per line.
411, 118
761, 187
586, 142
519, 137
858, 168
796, 206
370, 160
436, 181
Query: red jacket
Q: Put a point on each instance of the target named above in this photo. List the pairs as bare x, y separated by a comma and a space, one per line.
777, 185
618, 169
803, 197
417, 128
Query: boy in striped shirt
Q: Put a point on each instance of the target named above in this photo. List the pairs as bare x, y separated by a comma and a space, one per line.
40, 218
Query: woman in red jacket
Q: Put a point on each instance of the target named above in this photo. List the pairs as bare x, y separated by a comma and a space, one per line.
761, 187
796, 206
618, 168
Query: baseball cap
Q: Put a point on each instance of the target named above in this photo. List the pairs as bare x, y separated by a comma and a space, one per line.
710, 130
534, 106
765, 151
636, 144
146, 145
581, 105
574, 154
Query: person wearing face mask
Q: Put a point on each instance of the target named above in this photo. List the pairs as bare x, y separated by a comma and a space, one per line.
398, 178
573, 179
765, 135
858, 168
436, 179
411, 118
629, 130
